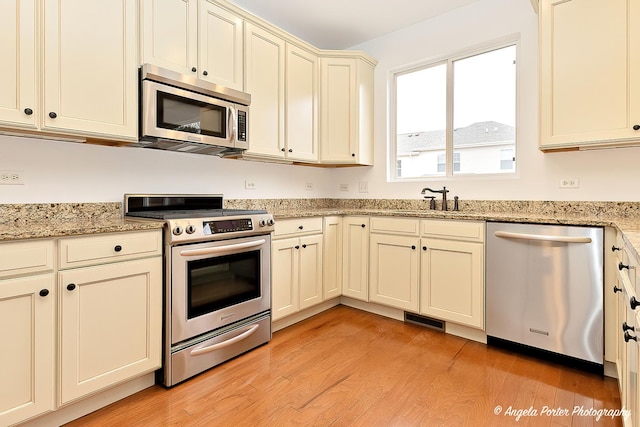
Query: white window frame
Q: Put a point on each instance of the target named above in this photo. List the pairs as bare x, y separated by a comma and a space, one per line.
392, 143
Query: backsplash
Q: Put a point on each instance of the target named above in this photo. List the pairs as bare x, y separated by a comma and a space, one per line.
41, 212
592, 209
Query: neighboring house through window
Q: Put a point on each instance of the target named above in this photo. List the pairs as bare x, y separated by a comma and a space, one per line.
475, 123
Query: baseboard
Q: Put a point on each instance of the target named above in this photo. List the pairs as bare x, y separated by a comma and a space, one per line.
285, 322
93, 403
382, 310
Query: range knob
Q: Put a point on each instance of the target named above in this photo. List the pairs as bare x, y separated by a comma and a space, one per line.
190, 229
177, 231
262, 223
271, 221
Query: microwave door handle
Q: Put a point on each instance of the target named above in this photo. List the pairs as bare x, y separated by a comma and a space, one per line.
224, 248
232, 125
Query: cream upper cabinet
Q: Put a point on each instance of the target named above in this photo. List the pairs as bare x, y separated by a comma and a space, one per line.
332, 257
221, 46
346, 110
27, 333
18, 69
452, 271
264, 80
86, 84
170, 34
301, 104
589, 73
90, 79
394, 262
282, 79
355, 253
194, 37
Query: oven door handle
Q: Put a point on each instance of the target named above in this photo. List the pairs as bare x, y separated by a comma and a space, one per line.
225, 248
226, 343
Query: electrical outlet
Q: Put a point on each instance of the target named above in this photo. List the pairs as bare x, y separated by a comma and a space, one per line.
363, 187
308, 186
344, 187
250, 185
11, 177
569, 183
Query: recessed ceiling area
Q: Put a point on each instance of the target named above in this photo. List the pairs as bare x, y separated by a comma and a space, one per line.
341, 24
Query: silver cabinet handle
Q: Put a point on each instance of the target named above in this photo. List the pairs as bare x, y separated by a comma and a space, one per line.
226, 343
225, 248
541, 237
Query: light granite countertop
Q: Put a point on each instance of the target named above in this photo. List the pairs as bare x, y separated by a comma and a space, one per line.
29, 221
40, 221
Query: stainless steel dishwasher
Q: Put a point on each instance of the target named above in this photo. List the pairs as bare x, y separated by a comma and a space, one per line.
544, 290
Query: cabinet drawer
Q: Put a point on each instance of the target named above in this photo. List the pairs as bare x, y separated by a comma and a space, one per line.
26, 257
459, 230
404, 226
101, 249
289, 227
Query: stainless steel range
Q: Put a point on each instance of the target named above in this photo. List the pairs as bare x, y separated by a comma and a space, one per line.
217, 279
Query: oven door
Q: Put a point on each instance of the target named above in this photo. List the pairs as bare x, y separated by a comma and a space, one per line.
214, 284
177, 114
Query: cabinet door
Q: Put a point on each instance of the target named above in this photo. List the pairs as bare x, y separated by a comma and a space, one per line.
90, 68
265, 70
332, 257
27, 325
301, 104
284, 277
355, 251
170, 34
310, 271
221, 46
394, 268
590, 72
338, 110
452, 281
18, 32
110, 325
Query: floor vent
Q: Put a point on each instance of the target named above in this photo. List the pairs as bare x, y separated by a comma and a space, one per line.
424, 321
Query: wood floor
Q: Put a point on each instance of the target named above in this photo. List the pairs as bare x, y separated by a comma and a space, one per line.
346, 367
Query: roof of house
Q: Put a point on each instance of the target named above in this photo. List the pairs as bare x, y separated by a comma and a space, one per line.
480, 133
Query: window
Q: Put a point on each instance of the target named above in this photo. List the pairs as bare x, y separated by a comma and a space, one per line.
475, 123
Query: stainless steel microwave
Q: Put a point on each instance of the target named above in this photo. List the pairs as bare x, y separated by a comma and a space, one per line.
183, 113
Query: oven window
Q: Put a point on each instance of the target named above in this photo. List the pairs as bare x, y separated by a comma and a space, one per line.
187, 115
220, 282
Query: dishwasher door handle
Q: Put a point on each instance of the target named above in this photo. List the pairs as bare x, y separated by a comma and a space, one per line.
541, 237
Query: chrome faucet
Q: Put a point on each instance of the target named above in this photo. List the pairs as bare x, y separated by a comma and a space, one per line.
444, 192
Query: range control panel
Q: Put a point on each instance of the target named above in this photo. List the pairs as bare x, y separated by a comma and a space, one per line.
217, 228
226, 226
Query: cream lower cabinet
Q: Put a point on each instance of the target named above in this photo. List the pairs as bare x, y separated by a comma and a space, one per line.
27, 329
332, 257
110, 312
452, 271
110, 325
394, 262
355, 253
27, 326
628, 332
296, 281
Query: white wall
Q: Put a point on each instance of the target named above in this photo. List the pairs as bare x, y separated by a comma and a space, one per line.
603, 174
69, 172
57, 171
